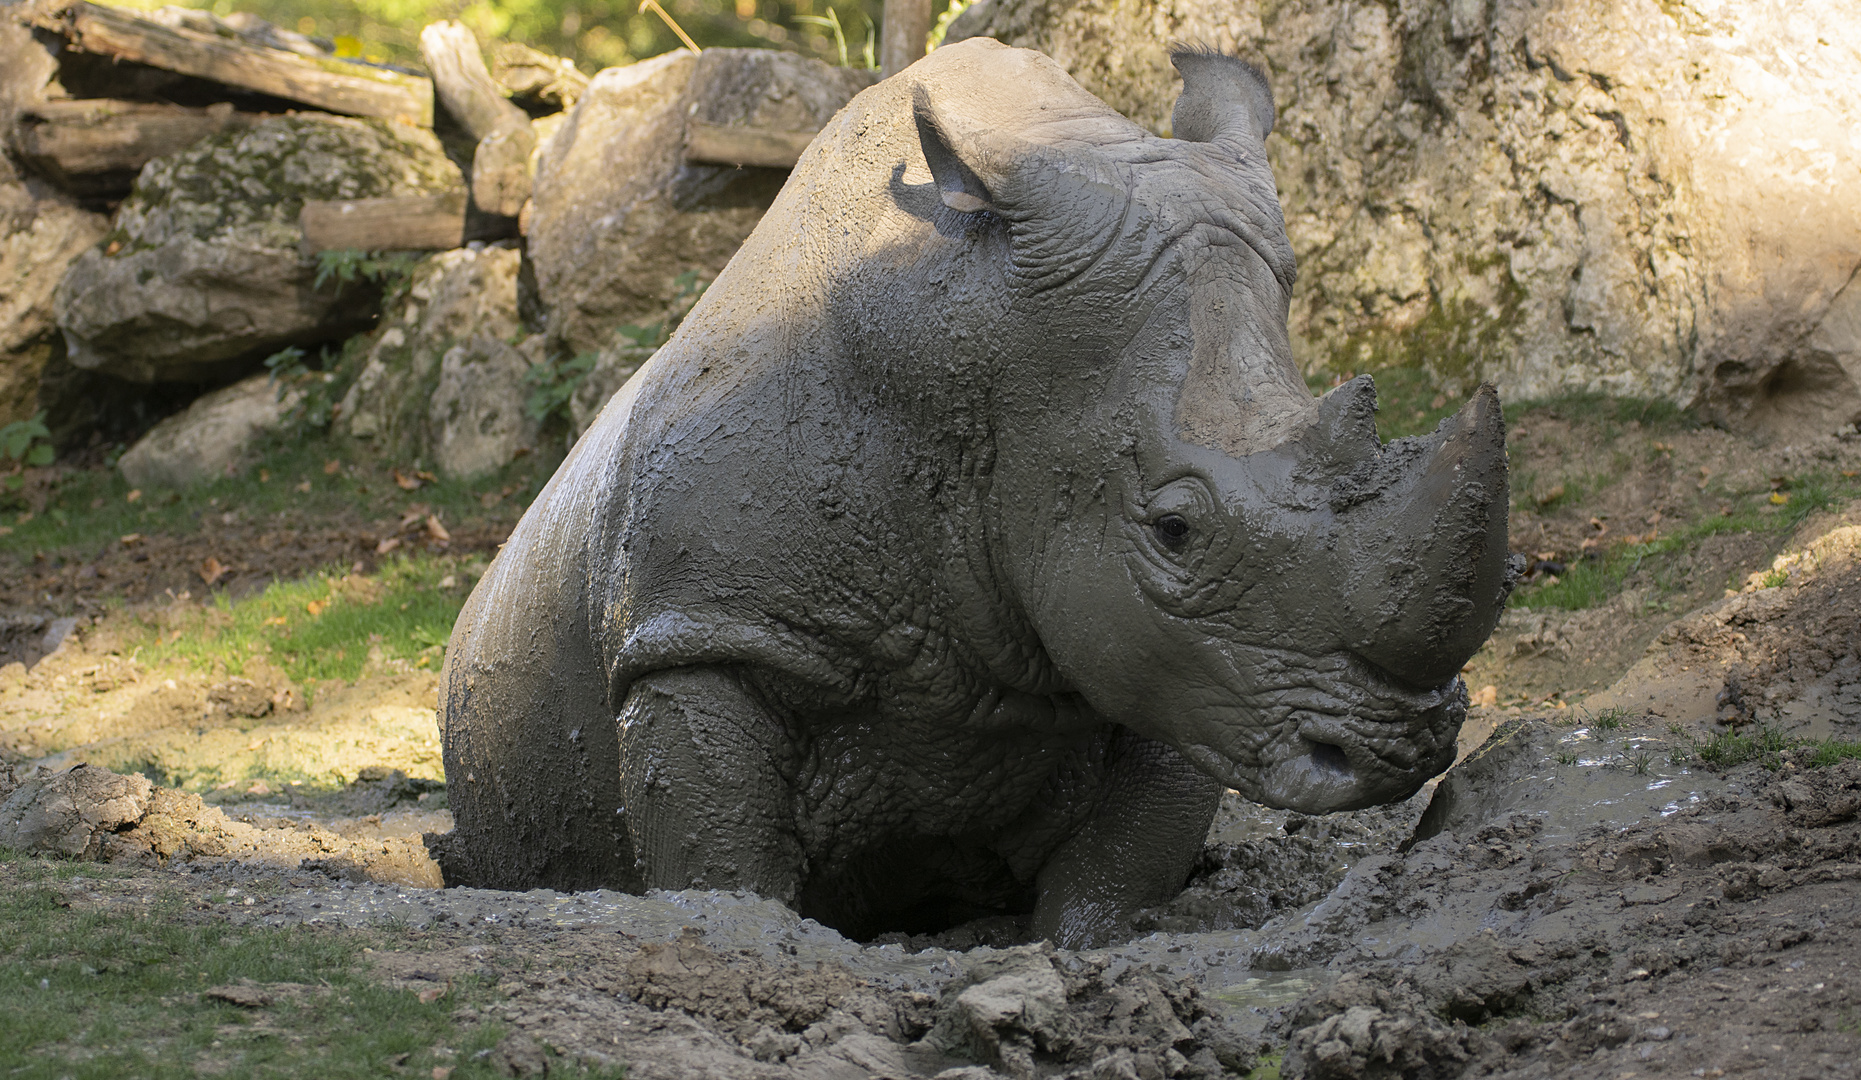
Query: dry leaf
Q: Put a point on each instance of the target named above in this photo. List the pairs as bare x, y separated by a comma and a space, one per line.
1488, 696
432, 994
134, 496
1778, 498
427, 476
212, 570
132, 539
6, 530
405, 482
437, 531
275, 620
316, 607
304, 487
414, 514
387, 545
441, 1072
332, 467
259, 787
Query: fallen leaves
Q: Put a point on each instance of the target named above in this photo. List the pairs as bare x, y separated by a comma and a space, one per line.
317, 607
212, 570
135, 495
433, 993
332, 467
131, 539
437, 531
412, 479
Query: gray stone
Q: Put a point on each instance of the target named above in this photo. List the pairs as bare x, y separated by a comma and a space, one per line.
1640, 197
212, 437
70, 813
41, 232
618, 212
440, 380
202, 274
477, 420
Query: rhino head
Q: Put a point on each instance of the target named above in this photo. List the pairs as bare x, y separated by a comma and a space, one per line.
1207, 553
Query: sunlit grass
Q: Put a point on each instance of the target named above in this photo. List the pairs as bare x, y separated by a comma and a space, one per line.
321, 627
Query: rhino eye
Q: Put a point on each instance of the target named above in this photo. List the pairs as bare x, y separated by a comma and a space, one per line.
1172, 531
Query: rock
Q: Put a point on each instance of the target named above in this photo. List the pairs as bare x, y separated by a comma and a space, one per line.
71, 812
518, 1054
477, 420
1641, 198
41, 232
440, 381
618, 212
211, 438
201, 274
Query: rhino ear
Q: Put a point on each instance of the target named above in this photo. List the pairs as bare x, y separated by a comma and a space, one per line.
1222, 95
962, 189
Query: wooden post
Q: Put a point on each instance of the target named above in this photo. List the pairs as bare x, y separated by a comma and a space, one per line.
501, 164
903, 30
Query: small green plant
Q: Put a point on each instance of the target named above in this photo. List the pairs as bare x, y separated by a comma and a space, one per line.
1773, 578
316, 403
1607, 722
1641, 762
1832, 752
1677, 756
348, 266
1566, 757
553, 383
832, 22
22, 442
1729, 748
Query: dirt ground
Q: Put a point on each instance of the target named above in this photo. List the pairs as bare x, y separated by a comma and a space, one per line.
1593, 891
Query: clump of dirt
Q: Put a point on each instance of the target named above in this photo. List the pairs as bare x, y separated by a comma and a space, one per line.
1032, 1011
88, 812
1374, 1028
765, 1008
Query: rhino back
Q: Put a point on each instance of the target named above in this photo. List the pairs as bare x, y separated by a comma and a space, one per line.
799, 478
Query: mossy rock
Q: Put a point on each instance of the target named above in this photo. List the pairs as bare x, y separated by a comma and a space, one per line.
202, 275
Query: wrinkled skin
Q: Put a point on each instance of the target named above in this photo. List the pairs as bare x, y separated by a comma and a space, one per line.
972, 534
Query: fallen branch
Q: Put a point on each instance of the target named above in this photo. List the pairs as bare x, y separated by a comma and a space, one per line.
332, 85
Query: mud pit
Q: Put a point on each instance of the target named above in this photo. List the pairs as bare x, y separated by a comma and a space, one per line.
1581, 896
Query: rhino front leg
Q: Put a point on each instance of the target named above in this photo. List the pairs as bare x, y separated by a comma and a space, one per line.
706, 802
1134, 852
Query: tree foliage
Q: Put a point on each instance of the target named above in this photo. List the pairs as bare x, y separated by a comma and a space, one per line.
595, 33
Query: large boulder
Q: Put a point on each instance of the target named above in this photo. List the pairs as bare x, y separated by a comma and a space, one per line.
440, 379
202, 274
41, 231
1631, 196
618, 213
213, 437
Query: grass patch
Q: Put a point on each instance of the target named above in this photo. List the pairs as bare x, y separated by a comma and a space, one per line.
1833, 752
320, 627
91, 508
117, 990
1593, 581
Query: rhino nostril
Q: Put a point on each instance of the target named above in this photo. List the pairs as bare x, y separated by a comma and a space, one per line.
1331, 758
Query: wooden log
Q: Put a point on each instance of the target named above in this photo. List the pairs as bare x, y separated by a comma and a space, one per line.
96, 146
723, 144
501, 163
329, 84
407, 223
904, 31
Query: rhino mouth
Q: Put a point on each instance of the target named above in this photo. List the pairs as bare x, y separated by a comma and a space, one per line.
1344, 760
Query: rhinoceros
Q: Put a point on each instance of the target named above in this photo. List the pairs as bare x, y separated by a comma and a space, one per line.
974, 532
